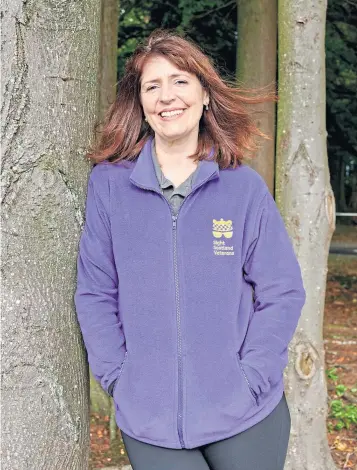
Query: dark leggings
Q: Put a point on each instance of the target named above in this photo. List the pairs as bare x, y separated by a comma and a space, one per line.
261, 447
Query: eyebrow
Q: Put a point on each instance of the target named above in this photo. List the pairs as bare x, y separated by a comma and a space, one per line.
173, 75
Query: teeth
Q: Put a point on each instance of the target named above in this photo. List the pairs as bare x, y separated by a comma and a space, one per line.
171, 113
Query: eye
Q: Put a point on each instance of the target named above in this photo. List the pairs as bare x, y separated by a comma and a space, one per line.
181, 81
150, 87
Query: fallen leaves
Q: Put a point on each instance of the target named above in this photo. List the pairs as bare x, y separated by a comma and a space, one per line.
340, 340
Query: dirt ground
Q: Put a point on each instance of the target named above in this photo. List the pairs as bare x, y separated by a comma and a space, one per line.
340, 340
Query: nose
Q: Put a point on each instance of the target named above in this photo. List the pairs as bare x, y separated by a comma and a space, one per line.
166, 93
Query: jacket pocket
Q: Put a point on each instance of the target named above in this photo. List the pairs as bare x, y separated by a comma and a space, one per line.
120, 372
252, 393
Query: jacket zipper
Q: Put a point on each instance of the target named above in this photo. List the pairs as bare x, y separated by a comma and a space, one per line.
179, 336
120, 372
255, 396
177, 299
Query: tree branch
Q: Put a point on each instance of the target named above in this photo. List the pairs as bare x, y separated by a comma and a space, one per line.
202, 15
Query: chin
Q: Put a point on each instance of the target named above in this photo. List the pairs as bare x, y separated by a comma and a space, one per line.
175, 135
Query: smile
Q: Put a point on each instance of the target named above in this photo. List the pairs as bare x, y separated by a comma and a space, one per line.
171, 115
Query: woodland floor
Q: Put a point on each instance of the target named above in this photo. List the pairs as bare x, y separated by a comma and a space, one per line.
340, 340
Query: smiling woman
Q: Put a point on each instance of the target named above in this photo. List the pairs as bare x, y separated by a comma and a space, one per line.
179, 233
168, 98
172, 101
171, 91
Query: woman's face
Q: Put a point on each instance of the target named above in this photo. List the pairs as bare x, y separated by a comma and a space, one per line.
165, 87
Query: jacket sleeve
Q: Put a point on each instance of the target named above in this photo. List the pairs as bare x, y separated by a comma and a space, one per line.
96, 295
272, 269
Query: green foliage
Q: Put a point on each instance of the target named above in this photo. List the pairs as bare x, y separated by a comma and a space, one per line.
210, 23
134, 26
346, 415
340, 390
341, 85
331, 374
191, 11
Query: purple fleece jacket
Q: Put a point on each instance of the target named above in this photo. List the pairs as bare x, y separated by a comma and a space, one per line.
191, 314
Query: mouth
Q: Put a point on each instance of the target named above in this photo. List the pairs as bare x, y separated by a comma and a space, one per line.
172, 115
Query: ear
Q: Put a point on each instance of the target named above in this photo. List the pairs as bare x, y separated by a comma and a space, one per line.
205, 97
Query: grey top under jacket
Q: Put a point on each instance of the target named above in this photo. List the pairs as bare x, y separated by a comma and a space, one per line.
175, 197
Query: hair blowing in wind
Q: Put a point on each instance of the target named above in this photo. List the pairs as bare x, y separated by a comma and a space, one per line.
228, 125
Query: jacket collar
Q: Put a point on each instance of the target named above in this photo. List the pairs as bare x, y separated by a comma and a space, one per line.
144, 173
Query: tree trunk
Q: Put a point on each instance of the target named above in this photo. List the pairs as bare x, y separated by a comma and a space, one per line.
353, 199
49, 105
256, 67
107, 78
342, 200
306, 201
108, 54
335, 170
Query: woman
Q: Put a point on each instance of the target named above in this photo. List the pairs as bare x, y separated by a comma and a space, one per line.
188, 290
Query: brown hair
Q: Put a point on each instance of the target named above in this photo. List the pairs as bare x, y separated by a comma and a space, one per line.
227, 125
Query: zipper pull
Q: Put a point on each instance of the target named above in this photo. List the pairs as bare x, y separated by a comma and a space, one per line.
174, 217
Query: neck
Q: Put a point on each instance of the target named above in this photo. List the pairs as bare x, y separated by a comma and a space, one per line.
175, 153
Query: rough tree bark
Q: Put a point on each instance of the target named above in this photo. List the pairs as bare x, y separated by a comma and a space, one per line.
256, 67
49, 104
306, 201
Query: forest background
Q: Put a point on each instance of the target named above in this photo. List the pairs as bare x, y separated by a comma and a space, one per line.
61, 62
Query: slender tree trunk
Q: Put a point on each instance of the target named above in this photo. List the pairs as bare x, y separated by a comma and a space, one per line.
49, 104
342, 194
334, 164
108, 54
112, 423
107, 78
256, 67
353, 199
306, 201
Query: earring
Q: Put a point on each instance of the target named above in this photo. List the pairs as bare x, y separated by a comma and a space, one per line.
146, 119
206, 107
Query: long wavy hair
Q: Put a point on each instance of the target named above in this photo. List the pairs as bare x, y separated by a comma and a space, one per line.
228, 125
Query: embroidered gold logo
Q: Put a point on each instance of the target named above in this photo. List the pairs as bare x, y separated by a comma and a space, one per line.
222, 228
